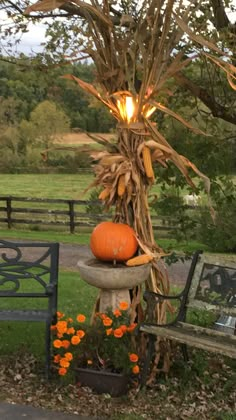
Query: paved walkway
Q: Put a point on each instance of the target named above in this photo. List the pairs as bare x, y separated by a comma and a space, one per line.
21, 412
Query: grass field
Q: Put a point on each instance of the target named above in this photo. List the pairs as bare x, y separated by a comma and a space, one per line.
65, 186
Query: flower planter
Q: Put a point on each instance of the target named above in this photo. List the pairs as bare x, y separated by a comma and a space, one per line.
103, 382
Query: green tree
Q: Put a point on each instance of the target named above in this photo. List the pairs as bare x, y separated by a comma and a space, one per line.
49, 122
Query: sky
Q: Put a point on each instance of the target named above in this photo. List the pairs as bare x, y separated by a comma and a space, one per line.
30, 41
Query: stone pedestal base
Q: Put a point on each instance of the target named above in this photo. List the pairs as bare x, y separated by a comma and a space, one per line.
112, 298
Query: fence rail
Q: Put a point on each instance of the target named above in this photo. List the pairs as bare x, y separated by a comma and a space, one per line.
60, 212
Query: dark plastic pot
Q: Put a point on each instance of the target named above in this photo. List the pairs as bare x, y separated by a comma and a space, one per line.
103, 382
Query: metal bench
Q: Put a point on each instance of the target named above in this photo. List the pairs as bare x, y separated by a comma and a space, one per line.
210, 290
29, 271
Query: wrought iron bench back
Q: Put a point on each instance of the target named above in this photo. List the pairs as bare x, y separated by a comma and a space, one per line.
29, 271
213, 285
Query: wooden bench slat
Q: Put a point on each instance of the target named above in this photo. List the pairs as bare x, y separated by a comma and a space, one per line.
217, 344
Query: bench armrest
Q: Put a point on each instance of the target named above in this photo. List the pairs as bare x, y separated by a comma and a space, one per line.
159, 297
153, 299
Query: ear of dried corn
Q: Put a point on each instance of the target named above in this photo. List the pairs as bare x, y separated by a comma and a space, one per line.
121, 186
104, 194
147, 162
139, 260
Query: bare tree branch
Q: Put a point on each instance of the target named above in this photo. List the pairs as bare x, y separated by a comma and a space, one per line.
220, 19
209, 100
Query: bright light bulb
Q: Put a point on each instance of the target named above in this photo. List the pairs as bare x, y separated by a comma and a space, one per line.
129, 108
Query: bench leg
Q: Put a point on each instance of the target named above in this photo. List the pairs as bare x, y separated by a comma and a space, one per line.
148, 359
185, 352
48, 349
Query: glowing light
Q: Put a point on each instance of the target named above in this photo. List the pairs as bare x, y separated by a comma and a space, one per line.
129, 105
150, 111
126, 108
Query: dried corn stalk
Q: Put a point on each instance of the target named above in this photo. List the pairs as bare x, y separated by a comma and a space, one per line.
134, 60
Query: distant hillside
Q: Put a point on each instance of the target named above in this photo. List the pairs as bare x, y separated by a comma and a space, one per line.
80, 138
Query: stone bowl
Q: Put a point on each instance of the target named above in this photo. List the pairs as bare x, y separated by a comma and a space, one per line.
105, 275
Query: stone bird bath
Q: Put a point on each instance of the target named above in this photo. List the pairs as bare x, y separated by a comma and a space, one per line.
114, 281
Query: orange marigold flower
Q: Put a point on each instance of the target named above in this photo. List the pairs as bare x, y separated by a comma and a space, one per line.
64, 363
70, 330
61, 327
135, 369
59, 314
68, 356
123, 328
117, 313
89, 362
131, 327
75, 340
133, 357
109, 331
118, 333
65, 344
53, 327
69, 320
107, 322
124, 306
80, 333
57, 344
59, 335
62, 371
81, 318
57, 358
100, 315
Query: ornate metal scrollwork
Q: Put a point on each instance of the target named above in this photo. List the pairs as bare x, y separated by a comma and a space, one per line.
14, 270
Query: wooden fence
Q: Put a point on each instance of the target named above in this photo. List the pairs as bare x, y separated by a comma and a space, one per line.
59, 212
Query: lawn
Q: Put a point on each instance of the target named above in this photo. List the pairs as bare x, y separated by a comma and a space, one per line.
64, 186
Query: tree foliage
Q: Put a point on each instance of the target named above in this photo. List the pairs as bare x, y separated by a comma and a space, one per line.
67, 34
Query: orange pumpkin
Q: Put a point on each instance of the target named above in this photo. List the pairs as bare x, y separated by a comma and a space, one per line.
113, 242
